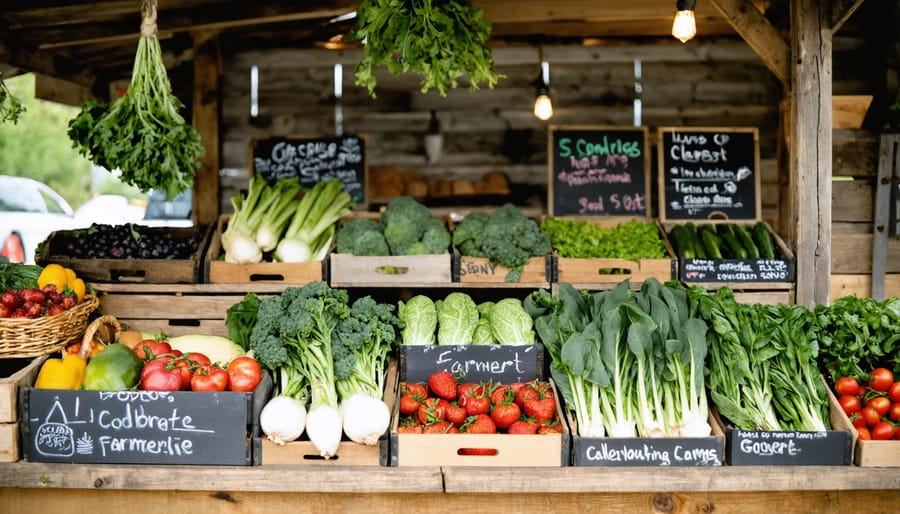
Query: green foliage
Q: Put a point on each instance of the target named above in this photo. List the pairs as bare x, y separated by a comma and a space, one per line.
457, 317
142, 133
362, 344
440, 39
10, 106
580, 239
406, 228
418, 320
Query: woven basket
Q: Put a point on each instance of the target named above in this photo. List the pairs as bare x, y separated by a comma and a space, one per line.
22, 337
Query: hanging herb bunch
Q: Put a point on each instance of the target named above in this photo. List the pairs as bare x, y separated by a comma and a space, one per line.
10, 106
142, 133
440, 39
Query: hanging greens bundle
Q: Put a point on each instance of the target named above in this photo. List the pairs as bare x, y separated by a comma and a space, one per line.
441, 39
10, 106
142, 133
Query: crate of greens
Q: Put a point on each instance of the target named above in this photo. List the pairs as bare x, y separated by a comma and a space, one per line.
129, 253
598, 254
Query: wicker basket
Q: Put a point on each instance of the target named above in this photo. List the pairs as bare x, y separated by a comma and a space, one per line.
21, 337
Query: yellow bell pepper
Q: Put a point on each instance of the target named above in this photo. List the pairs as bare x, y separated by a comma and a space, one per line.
65, 373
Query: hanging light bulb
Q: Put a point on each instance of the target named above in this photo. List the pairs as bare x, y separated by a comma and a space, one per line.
684, 27
543, 107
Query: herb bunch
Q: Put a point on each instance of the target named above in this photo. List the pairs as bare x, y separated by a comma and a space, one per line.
10, 106
440, 39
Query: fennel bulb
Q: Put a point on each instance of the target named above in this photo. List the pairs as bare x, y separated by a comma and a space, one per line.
365, 419
282, 419
324, 428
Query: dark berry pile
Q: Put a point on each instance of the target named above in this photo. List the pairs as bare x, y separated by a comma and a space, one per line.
127, 241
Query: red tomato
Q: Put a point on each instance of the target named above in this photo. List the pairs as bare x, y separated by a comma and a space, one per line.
209, 379
883, 431
161, 378
157, 363
862, 391
881, 379
870, 415
199, 359
846, 386
894, 392
244, 374
850, 404
858, 421
894, 412
881, 404
185, 371
863, 434
148, 348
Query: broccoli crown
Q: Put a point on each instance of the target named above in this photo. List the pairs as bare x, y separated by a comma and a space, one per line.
362, 342
436, 237
470, 231
409, 228
507, 237
361, 236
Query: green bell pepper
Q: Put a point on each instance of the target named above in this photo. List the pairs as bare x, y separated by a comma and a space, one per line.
116, 368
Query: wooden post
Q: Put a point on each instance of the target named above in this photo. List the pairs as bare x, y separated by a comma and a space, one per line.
206, 122
811, 147
888, 171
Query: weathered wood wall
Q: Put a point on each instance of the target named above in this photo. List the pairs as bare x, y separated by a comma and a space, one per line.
713, 83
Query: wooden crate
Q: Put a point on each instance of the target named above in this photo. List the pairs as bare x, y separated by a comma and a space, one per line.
217, 271
866, 453
16, 373
785, 296
302, 452
512, 450
480, 271
147, 271
346, 270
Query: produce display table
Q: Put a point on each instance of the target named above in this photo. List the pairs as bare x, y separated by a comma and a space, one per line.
32, 487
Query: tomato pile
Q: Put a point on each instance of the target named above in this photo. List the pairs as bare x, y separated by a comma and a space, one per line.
58, 290
445, 406
873, 408
167, 369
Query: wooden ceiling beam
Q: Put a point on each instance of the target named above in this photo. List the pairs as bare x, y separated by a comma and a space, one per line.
762, 37
841, 10
19, 54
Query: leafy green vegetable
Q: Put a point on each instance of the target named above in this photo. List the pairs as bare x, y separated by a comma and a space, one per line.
240, 318
580, 239
440, 39
483, 334
10, 106
510, 324
259, 219
367, 335
457, 317
18, 276
142, 133
418, 320
312, 228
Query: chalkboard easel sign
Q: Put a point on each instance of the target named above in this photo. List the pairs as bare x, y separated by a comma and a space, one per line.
313, 159
709, 173
598, 171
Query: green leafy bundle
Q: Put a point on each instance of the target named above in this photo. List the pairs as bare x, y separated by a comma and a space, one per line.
142, 134
10, 106
441, 39
632, 239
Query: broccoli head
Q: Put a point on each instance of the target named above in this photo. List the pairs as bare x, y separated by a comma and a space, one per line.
361, 236
436, 237
470, 232
403, 222
507, 237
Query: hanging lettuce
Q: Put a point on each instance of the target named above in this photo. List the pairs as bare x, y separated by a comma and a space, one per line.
10, 106
440, 39
142, 133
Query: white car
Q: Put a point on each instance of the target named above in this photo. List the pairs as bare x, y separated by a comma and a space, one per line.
29, 212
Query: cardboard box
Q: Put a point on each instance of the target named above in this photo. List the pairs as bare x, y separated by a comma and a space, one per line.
14, 374
148, 271
302, 451
648, 451
217, 271
140, 427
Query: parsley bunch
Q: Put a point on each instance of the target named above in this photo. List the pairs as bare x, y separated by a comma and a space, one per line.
10, 106
441, 39
142, 134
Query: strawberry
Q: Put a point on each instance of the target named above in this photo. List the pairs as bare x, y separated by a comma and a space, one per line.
479, 424
439, 427
499, 394
409, 403
550, 427
432, 410
466, 390
478, 405
522, 426
416, 389
455, 414
523, 394
409, 425
543, 408
443, 384
506, 413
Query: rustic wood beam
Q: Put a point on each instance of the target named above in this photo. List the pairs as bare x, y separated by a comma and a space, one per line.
21, 55
207, 70
762, 37
841, 11
191, 19
810, 170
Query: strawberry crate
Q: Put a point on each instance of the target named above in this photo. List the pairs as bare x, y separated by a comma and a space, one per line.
303, 452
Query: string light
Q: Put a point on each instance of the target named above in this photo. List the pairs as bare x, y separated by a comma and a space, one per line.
684, 27
543, 107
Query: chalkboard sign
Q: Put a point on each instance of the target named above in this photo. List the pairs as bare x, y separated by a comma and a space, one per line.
475, 363
313, 159
709, 173
598, 171
737, 270
136, 427
646, 451
789, 448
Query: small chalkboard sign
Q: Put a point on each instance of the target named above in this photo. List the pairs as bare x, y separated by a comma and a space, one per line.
503, 364
709, 173
136, 427
647, 451
788, 448
737, 270
313, 159
596, 171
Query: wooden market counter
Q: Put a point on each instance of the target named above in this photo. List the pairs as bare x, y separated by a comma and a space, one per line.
81, 489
